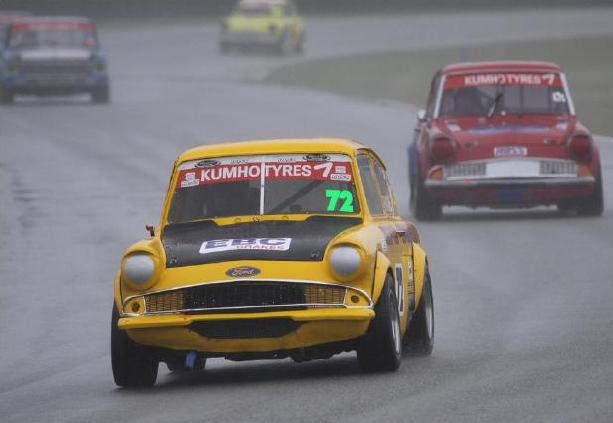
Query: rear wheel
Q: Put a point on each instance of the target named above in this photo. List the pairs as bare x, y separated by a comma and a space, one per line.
300, 44
421, 204
224, 48
285, 46
6, 95
419, 338
594, 204
101, 95
381, 348
133, 365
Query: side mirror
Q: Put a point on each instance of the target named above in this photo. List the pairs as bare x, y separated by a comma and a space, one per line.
421, 116
151, 229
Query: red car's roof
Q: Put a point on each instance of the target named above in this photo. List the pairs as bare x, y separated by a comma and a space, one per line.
509, 65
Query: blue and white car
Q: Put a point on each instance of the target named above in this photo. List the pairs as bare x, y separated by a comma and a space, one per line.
53, 56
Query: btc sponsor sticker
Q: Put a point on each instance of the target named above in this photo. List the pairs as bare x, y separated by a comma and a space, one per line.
221, 245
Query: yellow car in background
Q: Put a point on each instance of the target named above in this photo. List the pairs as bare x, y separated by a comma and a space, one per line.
273, 249
271, 24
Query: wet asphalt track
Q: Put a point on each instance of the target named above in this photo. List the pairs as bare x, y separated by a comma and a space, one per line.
524, 328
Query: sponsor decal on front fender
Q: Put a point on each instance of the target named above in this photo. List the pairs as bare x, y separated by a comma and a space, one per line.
219, 245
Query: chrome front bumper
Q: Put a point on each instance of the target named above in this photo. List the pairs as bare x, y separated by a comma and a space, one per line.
505, 182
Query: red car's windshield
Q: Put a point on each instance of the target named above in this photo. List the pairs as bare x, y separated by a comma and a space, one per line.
273, 184
489, 94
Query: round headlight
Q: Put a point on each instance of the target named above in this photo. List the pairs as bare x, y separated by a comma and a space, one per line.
345, 260
138, 270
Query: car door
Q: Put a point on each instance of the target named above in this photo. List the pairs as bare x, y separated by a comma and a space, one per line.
382, 207
402, 234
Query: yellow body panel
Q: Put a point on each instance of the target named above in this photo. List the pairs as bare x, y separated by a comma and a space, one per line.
320, 326
381, 247
277, 22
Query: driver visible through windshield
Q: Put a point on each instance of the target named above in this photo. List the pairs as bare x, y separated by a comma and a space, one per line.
271, 184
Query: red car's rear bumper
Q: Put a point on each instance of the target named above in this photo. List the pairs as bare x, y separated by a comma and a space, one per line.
510, 192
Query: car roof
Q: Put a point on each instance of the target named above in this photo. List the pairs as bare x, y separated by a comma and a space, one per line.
502, 65
7, 16
262, 3
47, 19
275, 146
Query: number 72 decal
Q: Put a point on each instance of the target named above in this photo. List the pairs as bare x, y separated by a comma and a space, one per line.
344, 195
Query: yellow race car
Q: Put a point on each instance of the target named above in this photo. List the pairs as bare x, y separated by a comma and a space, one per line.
271, 24
273, 249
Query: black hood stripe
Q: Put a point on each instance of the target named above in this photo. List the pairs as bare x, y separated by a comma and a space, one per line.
206, 242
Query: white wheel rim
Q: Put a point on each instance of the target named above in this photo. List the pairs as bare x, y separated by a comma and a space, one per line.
429, 313
395, 322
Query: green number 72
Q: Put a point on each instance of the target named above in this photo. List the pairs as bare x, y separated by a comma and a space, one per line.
337, 194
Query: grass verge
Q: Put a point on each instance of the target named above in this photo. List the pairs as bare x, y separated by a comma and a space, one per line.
405, 75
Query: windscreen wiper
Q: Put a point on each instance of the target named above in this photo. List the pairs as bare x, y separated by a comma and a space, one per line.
499, 96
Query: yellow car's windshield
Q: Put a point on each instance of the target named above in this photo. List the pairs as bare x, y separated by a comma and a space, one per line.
264, 185
254, 10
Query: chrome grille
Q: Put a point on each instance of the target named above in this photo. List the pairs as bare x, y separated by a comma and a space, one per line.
558, 168
56, 69
465, 170
245, 295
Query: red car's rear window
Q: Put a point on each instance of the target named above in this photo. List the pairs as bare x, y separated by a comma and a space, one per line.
501, 93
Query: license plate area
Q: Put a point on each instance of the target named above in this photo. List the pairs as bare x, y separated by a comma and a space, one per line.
511, 195
513, 169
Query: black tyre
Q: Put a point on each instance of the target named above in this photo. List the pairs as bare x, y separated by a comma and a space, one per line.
176, 363
381, 348
133, 365
285, 46
594, 204
224, 48
300, 44
6, 96
101, 95
419, 338
422, 206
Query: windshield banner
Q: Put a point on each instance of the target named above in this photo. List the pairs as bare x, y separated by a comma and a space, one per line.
325, 168
53, 26
503, 78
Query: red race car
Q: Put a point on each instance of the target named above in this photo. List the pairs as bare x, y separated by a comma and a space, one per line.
502, 134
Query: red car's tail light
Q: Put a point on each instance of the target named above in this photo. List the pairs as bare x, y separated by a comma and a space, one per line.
442, 149
580, 147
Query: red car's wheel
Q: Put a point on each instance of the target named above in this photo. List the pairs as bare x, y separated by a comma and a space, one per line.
594, 204
422, 205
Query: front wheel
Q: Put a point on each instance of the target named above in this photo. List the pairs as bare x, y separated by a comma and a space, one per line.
133, 365
6, 95
381, 348
422, 206
419, 338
